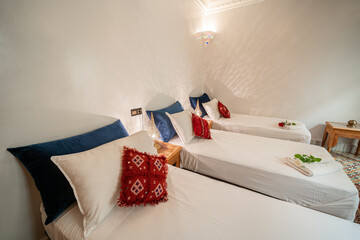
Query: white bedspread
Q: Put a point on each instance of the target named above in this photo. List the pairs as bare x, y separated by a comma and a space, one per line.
262, 126
202, 208
257, 163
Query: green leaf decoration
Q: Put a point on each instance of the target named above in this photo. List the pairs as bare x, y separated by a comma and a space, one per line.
307, 159
288, 123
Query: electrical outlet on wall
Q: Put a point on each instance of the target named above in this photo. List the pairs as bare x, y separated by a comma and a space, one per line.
136, 111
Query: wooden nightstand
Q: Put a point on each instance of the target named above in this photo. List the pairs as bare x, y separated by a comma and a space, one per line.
171, 152
334, 130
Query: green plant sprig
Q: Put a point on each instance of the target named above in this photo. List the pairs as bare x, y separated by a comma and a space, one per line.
307, 159
289, 123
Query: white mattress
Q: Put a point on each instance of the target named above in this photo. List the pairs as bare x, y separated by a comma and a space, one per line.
256, 163
262, 126
203, 208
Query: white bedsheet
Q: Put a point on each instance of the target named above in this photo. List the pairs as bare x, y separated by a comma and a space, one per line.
257, 163
203, 208
262, 126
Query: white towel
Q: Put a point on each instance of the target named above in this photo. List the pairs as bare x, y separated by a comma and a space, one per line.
313, 169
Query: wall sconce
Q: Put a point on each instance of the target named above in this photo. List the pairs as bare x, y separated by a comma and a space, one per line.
206, 36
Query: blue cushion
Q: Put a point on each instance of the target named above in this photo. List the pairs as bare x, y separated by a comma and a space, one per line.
55, 190
163, 122
202, 99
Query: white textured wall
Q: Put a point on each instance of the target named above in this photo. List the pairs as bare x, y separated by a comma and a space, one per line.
70, 66
297, 59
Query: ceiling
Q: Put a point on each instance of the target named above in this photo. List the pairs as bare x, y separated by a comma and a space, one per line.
211, 6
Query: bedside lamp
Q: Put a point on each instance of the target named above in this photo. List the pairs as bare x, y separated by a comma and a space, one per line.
154, 133
197, 109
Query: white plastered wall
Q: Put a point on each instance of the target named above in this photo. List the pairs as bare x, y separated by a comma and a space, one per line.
288, 58
67, 67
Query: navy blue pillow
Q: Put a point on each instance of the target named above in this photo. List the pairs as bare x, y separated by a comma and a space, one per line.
163, 122
55, 190
202, 99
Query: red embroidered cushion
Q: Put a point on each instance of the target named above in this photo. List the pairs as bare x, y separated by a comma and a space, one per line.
143, 179
201, 127
223, 110
157, 178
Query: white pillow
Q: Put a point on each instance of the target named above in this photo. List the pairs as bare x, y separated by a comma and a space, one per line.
95, 176
183, 125
212, 109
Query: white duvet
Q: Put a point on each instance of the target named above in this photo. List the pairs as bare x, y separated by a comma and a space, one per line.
203, 208
262, 126
257, 163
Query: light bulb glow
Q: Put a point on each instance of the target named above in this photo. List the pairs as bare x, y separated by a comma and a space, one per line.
197, 109
206, 36
153, 132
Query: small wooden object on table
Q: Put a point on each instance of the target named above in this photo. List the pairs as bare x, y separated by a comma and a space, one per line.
171, 152
334, 130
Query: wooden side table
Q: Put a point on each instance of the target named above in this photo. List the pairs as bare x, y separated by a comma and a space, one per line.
334, 130
171, 152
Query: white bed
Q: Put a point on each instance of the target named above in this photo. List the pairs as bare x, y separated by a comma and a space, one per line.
203, 208
262, 126
257, 163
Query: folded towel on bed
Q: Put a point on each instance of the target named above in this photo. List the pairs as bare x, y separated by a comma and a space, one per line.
313, 169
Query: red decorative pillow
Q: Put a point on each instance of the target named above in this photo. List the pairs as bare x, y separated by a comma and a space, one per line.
201, 127
143, 179
223, 110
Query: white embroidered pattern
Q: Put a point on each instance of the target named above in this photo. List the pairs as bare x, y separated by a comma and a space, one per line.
158, 190
158, 164
137, 160
137, 187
